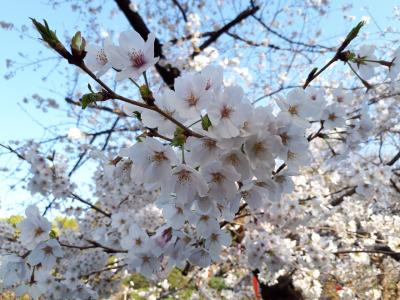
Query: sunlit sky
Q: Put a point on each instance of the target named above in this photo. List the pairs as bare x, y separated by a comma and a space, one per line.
27, 123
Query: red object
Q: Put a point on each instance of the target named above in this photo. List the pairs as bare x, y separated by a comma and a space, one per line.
338, 287
256, 288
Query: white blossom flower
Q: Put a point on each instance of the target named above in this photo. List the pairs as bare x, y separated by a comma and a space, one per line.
34, 229
46, 254
298, 107
136, 241
146, 263
239, 162
13, 269
201, 258
121, 221
202, 150
221, 180
186, 183
260, 149
192, 95
166, 101
317, 97
334, 117
133, 56
175, 214
97, 58
341, 97
152, 162
365, 65
206, 224
213, 77
225, 112
215, 241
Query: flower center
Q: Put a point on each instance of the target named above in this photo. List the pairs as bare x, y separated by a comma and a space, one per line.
233, 159
38, 231
101, 57
214, 237
226, 112
258, 148
183, 175
192, 99
291, 155
217, 177
332, 117
204, 218
284, 137
159, 156
209, 144
48, 250
137, 59
293, 109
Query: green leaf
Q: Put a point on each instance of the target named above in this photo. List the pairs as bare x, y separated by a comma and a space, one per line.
89, 98
354, 32
146, 94
46, 33
179, 137
138, 115
53, 234
90, 87
351, 35
205, 122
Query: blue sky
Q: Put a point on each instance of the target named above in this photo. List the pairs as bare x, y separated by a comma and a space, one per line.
20, 124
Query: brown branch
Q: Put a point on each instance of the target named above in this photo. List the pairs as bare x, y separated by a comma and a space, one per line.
93, 244
394, 185
394, 159
105, 269
81, 156
340, 199
98, 107
96, 208
190, 36
110, 132
281, 36
20, 156
216, 34
378, 250
105, 248
183, 12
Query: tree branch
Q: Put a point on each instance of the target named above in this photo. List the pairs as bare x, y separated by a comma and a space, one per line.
394, 159
96, 208
216, 34
183, 12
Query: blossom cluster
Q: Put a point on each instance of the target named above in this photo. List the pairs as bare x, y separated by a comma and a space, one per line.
210, 159
48, 178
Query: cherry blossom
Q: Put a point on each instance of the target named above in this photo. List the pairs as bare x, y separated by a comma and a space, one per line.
34, 229
133, 56
45, 254
97, 58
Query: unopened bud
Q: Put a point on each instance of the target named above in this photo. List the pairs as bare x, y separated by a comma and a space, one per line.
147, 95
78, 45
